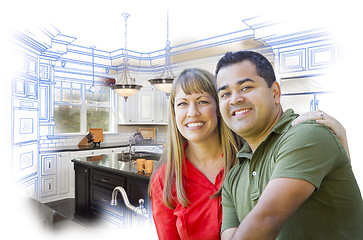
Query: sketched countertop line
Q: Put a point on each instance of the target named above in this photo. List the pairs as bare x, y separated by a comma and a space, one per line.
102, 146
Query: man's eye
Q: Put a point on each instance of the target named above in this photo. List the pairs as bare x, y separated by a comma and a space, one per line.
226, 94
246, 88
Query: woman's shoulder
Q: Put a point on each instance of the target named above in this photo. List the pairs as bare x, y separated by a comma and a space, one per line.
159, 173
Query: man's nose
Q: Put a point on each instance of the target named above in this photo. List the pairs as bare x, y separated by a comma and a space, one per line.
236, 98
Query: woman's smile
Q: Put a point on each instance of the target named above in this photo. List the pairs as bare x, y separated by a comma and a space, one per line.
195, 125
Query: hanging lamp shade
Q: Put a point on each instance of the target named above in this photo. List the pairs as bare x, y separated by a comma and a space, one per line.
165, 80
126, 90
162, 84
126, 86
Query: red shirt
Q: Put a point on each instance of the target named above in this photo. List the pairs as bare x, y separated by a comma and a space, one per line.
201, 219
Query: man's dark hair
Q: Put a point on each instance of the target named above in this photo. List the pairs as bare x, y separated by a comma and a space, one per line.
264, 68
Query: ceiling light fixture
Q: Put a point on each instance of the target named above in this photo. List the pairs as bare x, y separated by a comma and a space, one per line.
126, 87
165, 80
92, 88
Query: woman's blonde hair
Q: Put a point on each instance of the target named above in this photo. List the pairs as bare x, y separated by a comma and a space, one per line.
191, 80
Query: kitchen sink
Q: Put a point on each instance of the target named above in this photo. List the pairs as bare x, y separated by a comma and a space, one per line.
125, 157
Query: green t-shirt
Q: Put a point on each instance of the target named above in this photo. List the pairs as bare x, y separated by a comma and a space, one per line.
308, 151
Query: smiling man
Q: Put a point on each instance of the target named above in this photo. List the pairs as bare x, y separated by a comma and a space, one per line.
290, 182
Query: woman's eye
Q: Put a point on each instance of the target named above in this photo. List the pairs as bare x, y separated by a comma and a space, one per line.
203, 102
181, 104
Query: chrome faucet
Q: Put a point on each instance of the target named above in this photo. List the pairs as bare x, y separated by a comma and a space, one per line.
140, 211
130, 149
130, 144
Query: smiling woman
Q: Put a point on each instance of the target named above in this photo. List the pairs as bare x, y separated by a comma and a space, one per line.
186, 184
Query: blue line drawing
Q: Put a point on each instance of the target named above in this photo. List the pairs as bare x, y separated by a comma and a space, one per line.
47, 64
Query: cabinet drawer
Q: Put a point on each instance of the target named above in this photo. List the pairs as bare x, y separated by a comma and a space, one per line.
108, 179
49, 164
100, 196
101, 202
48, 186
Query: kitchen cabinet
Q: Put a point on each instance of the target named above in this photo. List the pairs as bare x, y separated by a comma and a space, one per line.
56, 170
25, 162
305, 58
304, 69
64, 173
148, 106
29, 187
95, 181
137, 189
114, 216
24, 126
48, 175
101, 187
304, 94
82, 198
55, 176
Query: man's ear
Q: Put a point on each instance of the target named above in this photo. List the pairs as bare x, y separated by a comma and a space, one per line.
276, 91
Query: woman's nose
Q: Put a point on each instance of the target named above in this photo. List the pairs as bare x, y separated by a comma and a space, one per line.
193, 110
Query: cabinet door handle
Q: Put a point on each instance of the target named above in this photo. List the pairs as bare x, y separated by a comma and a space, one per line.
316, 104
49, 186
104, 180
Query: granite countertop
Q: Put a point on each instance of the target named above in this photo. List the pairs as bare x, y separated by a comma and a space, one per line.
102, 146
113, 163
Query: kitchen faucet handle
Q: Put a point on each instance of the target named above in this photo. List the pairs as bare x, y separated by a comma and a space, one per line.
141, 210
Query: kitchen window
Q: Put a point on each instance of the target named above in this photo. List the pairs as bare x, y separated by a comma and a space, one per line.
76, 110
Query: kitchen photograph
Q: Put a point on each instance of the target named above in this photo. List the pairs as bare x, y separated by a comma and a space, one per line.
86, 90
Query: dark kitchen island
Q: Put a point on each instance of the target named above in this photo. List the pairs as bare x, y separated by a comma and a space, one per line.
95, 179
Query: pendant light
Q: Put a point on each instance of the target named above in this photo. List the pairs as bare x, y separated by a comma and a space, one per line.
126, 87
165, 80
92, 88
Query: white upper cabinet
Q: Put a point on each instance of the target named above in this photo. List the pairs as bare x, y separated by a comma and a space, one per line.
147, 106
307, 59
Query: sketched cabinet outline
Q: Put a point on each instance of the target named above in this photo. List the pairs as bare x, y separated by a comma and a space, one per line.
24, 135
48, 175
55, 175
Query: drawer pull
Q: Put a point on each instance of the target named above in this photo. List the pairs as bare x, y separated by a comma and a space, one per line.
105, 180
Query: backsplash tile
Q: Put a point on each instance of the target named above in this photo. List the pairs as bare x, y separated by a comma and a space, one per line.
55, 141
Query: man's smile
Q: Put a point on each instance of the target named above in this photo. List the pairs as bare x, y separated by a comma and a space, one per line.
240, 112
